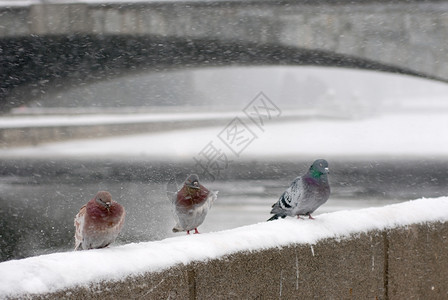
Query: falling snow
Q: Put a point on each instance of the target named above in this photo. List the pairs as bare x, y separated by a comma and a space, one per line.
48, 273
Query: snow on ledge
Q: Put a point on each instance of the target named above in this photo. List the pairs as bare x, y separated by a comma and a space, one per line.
49, 273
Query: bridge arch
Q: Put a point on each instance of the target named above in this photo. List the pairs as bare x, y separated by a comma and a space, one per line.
50, 44
38, 65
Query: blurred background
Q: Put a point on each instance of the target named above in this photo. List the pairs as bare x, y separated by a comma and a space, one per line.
132, 96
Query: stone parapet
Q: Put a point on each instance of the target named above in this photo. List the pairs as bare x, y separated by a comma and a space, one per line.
402, 263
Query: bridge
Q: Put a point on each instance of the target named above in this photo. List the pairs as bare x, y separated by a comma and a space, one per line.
52, 45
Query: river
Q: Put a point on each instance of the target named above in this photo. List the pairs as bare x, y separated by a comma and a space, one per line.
39, 198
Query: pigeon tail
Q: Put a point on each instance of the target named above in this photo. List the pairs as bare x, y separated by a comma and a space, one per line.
78, 247
275, 217
175, 229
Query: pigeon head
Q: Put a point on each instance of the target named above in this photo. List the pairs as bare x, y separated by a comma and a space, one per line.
319, 168
192, 181
104, 199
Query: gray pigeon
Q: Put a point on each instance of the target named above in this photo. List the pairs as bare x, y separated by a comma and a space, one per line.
305, 194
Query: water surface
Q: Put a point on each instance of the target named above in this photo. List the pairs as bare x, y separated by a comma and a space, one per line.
39, 198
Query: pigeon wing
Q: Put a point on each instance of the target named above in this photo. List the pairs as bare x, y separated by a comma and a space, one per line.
79, 226
295, 191
211, 198
172, 188
289, 199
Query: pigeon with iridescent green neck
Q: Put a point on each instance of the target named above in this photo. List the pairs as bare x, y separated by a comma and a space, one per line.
305, 194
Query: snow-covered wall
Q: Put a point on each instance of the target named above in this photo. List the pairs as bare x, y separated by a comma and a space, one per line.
393, 252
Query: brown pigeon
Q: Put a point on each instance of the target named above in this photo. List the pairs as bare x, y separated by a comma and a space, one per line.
191, 204
99, 222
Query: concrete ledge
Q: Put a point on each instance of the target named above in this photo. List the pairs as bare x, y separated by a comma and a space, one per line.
417, 263
393, 252
404, 263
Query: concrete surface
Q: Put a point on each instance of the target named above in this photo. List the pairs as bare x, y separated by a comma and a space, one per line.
418, 262
400, 263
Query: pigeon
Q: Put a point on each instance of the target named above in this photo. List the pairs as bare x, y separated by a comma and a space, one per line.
191, 204
99, 222
305, 194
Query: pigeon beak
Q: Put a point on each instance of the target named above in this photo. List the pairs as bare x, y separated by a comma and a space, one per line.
194, 185
327, 171
107, 205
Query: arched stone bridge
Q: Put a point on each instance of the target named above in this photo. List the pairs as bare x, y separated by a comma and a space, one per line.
57, 45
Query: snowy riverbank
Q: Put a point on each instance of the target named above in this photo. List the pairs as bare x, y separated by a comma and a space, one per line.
50, 273
393, 135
